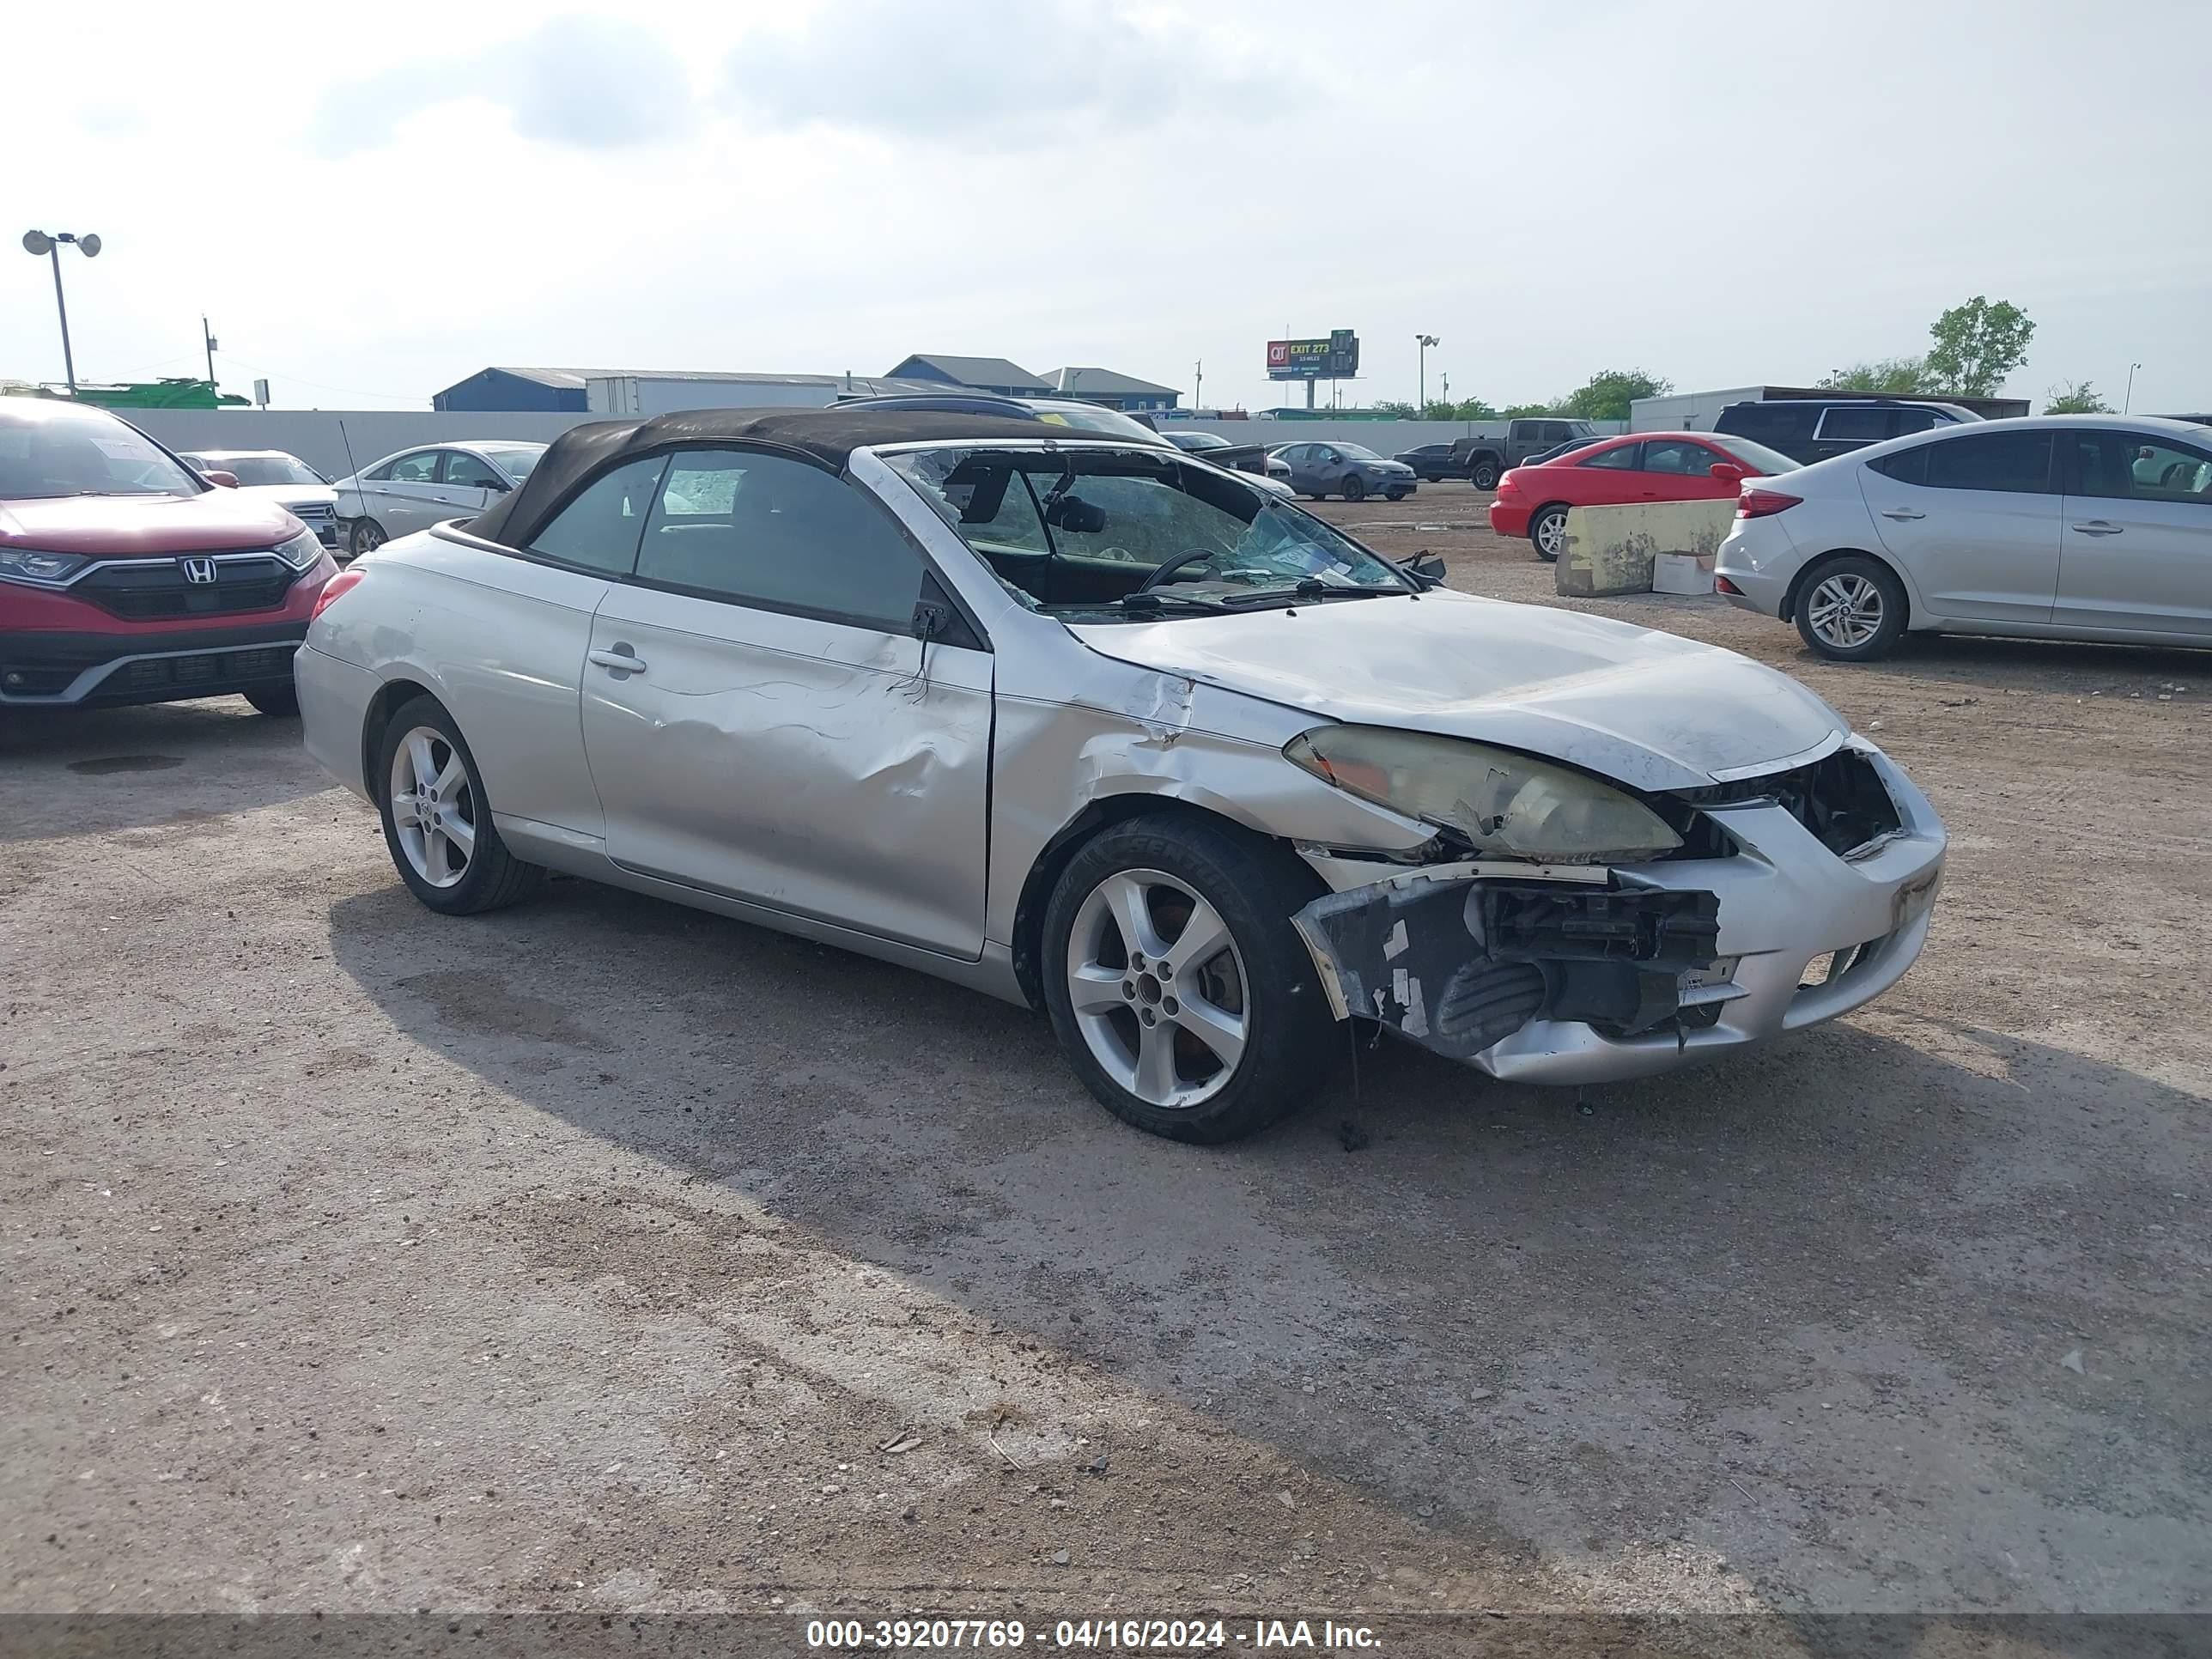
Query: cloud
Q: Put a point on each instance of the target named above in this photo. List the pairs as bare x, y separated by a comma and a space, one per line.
911, 70
588, 82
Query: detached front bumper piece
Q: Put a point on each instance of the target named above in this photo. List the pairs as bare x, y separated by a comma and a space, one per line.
1592, 976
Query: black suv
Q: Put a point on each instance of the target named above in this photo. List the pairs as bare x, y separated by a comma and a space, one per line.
1811, 429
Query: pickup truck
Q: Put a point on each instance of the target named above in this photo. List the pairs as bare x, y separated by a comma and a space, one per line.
1485, 455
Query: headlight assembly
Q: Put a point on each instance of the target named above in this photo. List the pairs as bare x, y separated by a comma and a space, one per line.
1509, 805
23, 564
298, 552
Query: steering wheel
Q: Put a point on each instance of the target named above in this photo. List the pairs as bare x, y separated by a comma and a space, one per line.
1188, 556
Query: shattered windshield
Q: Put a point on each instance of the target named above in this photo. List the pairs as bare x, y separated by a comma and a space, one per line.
1121, 533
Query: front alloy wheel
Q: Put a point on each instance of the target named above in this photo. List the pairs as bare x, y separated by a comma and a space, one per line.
1157, 988
1178, 988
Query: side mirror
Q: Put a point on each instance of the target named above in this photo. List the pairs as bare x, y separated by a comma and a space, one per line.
227, 480
497, 486
1428, 569
1729, 472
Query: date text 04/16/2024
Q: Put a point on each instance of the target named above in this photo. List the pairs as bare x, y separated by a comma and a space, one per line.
1123, 1635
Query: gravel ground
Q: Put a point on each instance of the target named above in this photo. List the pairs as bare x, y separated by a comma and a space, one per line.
600, 1254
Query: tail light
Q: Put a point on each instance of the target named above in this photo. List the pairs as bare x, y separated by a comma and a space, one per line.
1764, 503
1509, 484
336, 586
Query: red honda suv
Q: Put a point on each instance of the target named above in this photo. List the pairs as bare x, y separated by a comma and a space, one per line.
126, 577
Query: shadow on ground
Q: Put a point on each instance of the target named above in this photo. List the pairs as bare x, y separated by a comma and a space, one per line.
1837, 1276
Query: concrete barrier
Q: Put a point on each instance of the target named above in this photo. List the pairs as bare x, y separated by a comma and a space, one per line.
1612, 550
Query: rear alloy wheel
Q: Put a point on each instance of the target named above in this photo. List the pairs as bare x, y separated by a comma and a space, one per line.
1354, 487
1178, 988
366, 537
436, 824
1851, 610
1484, 475
1547, 532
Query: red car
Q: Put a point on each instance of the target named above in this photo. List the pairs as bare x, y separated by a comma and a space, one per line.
125, 577
1638, 466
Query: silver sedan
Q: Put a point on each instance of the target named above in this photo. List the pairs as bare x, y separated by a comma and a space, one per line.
1104, 730
2063, 526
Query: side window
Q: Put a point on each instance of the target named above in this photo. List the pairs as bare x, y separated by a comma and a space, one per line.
471, 473
1765, 421
763, 530
1907, 466
380, 474
1868, 424
599, 530
1914, 420
2017, 463
2124, 466
1623, 460
1678, 458
421, 467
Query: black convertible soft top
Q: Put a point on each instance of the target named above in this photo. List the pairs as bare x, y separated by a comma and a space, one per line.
826, 436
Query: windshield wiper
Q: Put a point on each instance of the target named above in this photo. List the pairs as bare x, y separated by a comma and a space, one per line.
1153, 598
1308, 591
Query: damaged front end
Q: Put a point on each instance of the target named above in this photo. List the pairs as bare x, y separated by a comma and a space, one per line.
1458, 958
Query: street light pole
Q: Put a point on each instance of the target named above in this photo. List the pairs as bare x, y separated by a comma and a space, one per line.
36, 243
2130, 396
1425, 341
207, 337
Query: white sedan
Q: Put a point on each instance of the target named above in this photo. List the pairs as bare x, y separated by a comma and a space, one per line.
1092, 726
2062, 526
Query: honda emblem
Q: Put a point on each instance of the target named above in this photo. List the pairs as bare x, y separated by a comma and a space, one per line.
198, 570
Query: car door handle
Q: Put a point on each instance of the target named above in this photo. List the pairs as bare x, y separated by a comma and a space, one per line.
2100, 527
1902, 514
620, 660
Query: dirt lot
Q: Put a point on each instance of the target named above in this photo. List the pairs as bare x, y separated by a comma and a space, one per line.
603, 1255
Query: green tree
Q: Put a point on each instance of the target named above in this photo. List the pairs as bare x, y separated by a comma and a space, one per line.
1607, 396
1899, 376
1473, 408
1523, 411
1977, 345
2075, 398
1395, 408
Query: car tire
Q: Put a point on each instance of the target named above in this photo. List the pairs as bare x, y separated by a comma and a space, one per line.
1851, 608
1483, 475
281, 701
1397, 494
1354, 488
1547, 532
489, 876
1149, 1056
364, 536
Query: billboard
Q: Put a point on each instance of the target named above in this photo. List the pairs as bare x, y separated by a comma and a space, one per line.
1336, 358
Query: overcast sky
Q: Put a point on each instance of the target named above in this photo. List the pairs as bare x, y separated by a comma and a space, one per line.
372, 202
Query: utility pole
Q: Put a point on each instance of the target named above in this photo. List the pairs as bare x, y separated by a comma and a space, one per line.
1425, 341
1198, 392
208, 336
1447, 381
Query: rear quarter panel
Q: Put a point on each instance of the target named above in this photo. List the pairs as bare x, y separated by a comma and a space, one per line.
500, 641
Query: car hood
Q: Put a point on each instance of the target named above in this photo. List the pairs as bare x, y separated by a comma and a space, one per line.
123, 527
287, 495
1650, 710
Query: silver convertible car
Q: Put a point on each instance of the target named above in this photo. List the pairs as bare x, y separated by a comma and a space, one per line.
1106, 731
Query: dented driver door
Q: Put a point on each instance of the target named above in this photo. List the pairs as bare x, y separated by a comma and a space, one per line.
761, 722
